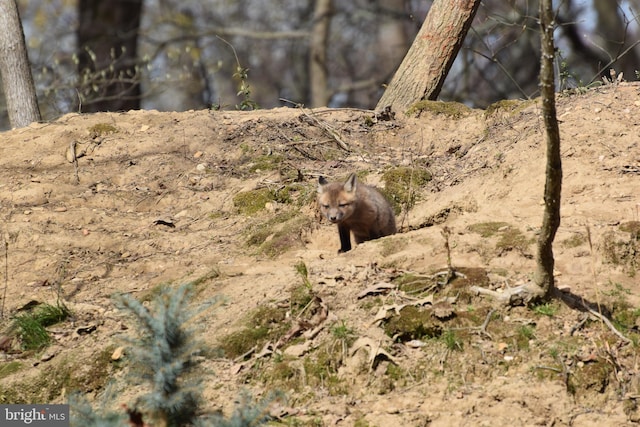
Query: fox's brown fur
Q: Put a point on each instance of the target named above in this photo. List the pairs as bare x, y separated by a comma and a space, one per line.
356, 208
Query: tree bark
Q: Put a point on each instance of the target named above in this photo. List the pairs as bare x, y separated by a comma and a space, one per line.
318, 53
107, 41
17, 80
423, 70
543, 276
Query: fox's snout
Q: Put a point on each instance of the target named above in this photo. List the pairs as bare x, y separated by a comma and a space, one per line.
335, 217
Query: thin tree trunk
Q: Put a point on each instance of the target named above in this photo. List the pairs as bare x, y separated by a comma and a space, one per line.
17, 80
426, 65
318, 53
553, 184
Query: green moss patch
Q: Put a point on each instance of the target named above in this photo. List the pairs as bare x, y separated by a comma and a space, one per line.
412, 323
510, 238
508, 106
60, 379
402, 185
101, 129
623, 250
280, 234
513, 239
251, 202
487, 229
265, 323
454, 110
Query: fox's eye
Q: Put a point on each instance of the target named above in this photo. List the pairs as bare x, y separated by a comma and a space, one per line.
325, 206
343, 205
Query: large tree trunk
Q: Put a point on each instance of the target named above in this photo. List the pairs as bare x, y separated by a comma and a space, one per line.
17, 81
107, 41
431, 55
553, 184
318, 53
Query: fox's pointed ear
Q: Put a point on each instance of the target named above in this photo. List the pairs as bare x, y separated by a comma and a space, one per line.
350, 185
321, 182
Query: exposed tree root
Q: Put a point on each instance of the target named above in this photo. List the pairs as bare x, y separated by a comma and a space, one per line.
529, 292
520, 295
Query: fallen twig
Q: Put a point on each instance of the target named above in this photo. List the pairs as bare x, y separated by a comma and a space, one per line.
327, 128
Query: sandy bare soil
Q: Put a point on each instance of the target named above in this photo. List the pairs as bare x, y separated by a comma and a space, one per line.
149, 199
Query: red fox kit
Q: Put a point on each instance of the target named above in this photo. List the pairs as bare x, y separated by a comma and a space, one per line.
355, 208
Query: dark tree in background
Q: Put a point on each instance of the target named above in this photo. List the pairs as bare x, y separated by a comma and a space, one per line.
602, 51
182, 63
108, 54
318, 53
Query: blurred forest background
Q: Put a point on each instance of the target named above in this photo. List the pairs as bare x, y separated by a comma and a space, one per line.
174, 55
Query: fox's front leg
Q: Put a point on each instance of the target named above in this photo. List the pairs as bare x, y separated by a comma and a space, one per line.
345, 238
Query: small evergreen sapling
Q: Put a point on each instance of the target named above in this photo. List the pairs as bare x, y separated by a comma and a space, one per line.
163, 354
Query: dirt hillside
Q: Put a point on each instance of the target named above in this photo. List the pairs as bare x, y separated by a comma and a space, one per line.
99, 204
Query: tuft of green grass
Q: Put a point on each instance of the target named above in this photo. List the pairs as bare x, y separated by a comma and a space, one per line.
546, 309
617, 291
303, 272
342, 331
524, 334
32, 334
451, 340
31, 327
